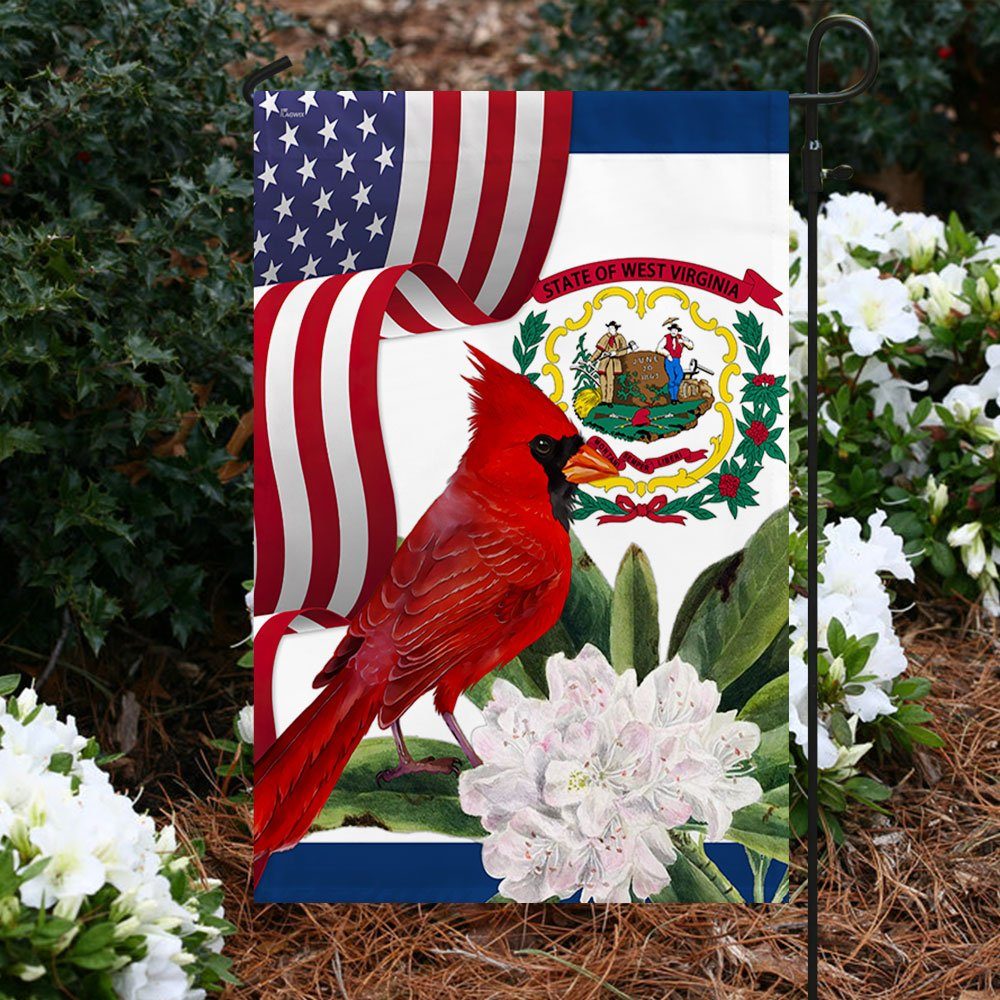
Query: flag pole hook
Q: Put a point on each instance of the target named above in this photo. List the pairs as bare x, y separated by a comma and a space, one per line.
258, 76
813, 177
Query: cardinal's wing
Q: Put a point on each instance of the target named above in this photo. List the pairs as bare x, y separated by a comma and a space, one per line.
452, 596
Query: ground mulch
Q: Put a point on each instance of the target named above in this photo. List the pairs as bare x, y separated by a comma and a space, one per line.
910, 904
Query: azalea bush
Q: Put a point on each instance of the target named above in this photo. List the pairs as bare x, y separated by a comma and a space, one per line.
94, 900
863, 697
909, 382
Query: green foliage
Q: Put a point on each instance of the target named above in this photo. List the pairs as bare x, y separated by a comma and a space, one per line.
412, 803
125, 347
527, 342
635, 627
933, 469
924, 134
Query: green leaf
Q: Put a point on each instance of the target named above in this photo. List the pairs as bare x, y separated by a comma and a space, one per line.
763, 826
587, 613
635, 628
8, 684
715, 575
14, 439
771, 758
733, 626
694, 878
514, 673
773, 662
768, 707
413, 803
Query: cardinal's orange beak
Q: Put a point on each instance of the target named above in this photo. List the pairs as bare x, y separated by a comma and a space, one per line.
587, 466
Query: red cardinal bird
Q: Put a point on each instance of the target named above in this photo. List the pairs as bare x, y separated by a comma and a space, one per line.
484, 573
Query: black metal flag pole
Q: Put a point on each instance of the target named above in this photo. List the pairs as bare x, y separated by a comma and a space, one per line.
813, 176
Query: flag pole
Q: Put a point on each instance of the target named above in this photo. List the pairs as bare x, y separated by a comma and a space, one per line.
813, 177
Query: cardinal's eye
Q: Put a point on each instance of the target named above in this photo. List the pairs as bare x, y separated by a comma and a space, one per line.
542, 445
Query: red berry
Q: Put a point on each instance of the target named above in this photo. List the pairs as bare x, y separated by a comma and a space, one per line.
642, 22
945, 52
763, 379
6, 179
757, 433
728, 485
83, 156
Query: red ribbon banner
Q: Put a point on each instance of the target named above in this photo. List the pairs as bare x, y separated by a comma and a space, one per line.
631, 510
646, 466
679, 272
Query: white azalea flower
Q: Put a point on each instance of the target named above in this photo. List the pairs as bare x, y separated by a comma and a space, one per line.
860, 221
851, 590
244, 724
917, 238
579, 792
59, 806
938, 294
874, 309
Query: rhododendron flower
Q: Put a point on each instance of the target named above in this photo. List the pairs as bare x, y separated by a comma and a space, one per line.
580, 792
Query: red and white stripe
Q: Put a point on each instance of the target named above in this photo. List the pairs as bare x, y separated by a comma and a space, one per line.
481, 184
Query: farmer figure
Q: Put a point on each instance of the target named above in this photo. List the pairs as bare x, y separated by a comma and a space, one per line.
672, 346
607, 357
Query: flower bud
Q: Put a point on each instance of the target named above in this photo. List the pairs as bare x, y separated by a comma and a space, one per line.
837, 671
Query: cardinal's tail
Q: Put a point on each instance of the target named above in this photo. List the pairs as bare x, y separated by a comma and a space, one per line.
294, 777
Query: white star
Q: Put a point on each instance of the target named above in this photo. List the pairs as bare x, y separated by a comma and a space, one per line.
322, 203
384, 159
346, 164
308, 99
306, 170
329, 130
289, 137
268, 176
269, 104
350, 262
260, 243
347, 95
361, 198
337, 233
367, 125
255, 135
284, 207
387, 93
298, 239
270, 276
309, 271
375, 229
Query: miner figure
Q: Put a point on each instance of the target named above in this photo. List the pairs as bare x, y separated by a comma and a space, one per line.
671, 347
607, 357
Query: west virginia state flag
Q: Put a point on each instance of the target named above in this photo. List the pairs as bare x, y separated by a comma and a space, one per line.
520, 588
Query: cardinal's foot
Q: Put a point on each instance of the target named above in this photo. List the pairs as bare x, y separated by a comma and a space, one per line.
429, 765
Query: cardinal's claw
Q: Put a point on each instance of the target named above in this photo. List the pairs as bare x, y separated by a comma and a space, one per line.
429, 765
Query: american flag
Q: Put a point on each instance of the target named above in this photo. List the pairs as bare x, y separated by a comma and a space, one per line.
375, 214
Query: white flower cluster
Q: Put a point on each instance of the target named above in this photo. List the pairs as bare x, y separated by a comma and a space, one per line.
851, 590
59, 805
876, 309
580, 792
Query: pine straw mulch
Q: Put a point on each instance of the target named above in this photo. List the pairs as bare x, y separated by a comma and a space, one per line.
910, 906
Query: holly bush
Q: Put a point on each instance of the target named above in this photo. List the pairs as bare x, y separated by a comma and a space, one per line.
125, 343
926, 138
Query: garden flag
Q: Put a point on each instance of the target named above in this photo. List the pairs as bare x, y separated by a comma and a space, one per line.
520, 589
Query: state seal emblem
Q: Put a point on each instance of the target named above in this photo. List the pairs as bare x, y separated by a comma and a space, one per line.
641, 365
